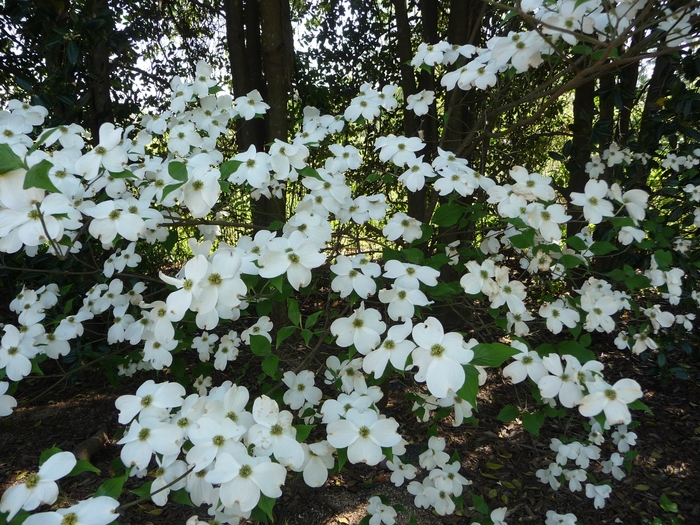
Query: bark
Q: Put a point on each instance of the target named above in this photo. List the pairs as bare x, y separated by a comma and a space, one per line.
418, 207
243, 41
408, 79
664, 70
629, 75
100, 71
278, 61
584, 108
261, 53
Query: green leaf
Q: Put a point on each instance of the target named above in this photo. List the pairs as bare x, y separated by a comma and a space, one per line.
171, 241
492, 354
533, 422
182, 497
144, 491
169, 189
570, 261
179, 367
46, 454
312, 319
480, 505
303, 432
636, 282
602, 247
9, 161
229, 167
413, 255
283, 333
275, 225
471, 385
125, 174
577, 243
667, 504
663, 259
508, 413
38, 177
73, 52
448, 214
617, 275
270, 365
259, 345
639, 405
277, 282
83, 466
342, 454
293, 312
585, 340
581, 49
306, 335
575, 349
177, 170
112, 487
523, 240
308, 171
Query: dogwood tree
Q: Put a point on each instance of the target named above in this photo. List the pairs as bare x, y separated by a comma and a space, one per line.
496, 242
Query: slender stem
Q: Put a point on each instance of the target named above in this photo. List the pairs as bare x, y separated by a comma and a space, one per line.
146, 498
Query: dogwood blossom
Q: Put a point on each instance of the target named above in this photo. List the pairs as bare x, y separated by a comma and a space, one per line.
94, 511
364, 435
40, 487
439, 357
243, 478
612, 400
362, 329
395, 349
595, 206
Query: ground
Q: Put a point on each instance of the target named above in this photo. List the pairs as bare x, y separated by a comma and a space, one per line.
499, 458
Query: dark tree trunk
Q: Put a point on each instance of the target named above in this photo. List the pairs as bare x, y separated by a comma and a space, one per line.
584, 108
261, 52
100, 71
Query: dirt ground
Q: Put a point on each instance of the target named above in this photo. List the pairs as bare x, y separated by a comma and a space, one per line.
499, 458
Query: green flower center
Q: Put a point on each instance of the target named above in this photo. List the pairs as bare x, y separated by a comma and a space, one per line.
32, 480
70, 519
437, 350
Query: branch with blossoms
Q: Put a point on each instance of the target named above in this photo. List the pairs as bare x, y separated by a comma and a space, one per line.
231, 446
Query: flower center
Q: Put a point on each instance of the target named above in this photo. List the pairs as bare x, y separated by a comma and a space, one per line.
32, 480
437, 350
70, 519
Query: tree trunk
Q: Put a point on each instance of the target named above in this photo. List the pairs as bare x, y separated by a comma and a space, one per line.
584, 108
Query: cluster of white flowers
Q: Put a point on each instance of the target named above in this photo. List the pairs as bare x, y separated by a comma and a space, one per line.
567, 20
209, 443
